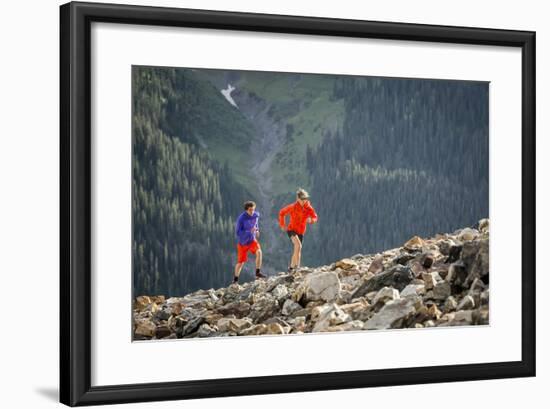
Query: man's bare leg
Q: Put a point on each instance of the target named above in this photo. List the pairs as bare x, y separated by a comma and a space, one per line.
259, 256
258, 259
238, 268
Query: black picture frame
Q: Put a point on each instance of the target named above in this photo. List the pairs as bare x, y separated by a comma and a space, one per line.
76, 198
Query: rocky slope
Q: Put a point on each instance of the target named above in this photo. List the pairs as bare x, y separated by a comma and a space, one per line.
431, 282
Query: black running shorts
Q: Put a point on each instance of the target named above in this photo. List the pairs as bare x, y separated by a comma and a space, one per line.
293, 233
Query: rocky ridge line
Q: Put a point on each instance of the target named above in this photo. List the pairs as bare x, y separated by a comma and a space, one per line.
433, 282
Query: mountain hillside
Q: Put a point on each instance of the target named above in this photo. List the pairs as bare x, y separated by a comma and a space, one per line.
184, 197
383, 159
432, 282
412, 158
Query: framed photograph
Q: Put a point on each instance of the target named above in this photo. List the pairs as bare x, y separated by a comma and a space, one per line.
257, 203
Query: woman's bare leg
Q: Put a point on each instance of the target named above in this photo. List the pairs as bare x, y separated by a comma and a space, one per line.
296, 255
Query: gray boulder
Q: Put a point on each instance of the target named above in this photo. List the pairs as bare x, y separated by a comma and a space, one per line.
450, 304
280, 292
479, 265
385, 294
265, 308
324, 285
467, 303
391, 314
328, 315
442, 290
290, 307
191, 326
233, 324
397, 277
377, 264
238, 308
205, 331
413, 290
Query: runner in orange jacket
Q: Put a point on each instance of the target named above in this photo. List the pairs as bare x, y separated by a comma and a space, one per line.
301, 213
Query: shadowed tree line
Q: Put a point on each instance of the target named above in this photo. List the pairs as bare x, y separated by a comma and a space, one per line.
411, 158
183, 201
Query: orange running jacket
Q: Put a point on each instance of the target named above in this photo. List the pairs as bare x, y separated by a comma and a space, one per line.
298, 216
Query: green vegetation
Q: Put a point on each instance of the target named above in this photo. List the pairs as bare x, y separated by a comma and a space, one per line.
305, 129
412, 159
183, 201
183, 104
384, 159
304, 104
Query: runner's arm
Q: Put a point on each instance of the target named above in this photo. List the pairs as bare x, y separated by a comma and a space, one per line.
282, 213
313, 215
239, 227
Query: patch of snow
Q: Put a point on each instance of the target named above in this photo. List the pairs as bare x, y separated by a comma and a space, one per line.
227, 94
